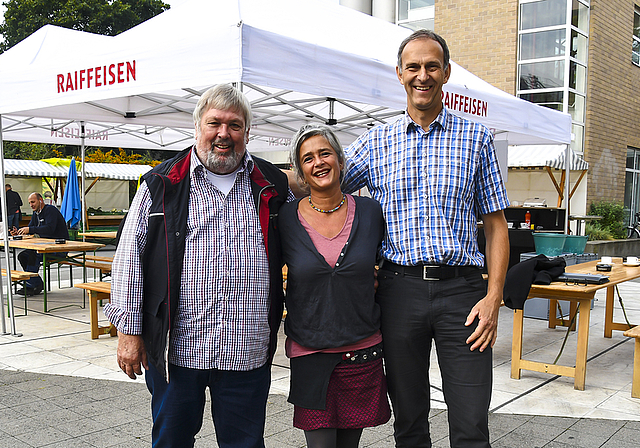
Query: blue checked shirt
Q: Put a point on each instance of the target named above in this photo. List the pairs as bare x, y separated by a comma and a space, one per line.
221, 321
433, 186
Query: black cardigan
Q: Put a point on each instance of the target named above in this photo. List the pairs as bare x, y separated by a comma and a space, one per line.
329, 307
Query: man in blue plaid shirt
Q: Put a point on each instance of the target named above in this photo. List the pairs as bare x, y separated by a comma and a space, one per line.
436, 175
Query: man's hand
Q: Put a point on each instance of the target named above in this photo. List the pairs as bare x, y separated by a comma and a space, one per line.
485, 334
23, 231
131, 354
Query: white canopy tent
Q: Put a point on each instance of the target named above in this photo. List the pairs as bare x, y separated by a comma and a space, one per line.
298, 61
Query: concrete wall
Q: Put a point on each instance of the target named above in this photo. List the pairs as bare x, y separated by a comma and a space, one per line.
614, 248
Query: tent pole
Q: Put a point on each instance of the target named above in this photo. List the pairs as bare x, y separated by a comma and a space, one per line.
567, 187
84, 204
12, 315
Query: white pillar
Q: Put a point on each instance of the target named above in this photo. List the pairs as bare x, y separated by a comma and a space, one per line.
359, 5
384, 9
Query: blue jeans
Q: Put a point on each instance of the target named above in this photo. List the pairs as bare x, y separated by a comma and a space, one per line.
13, 220
238, 405
414, 314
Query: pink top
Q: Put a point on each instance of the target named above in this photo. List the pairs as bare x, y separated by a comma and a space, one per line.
330, 249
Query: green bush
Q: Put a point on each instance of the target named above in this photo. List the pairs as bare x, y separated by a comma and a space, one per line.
612, 221
597, 233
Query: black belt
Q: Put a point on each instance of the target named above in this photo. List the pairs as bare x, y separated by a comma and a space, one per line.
429, 272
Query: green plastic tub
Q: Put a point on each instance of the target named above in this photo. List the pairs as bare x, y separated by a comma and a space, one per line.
575, 244
549, 244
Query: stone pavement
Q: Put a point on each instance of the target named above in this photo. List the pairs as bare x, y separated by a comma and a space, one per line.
43, 410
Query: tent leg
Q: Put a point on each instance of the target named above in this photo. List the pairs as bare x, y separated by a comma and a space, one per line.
12, 315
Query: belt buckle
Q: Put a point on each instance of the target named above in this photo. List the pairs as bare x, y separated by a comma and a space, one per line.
425, 274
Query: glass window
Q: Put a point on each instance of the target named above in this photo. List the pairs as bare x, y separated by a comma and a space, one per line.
578, 46
418, 24
580, 16
576, 107
404, 6
578, 133
630, 157
542, 75
543, 13
577, 76
543, 44
552, 100
635, 56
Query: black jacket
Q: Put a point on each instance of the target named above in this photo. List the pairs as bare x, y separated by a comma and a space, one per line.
328, 306
169, 185
49, 223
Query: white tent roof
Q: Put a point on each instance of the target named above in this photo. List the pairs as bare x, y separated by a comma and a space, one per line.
552, 156
38, 168
32, 168
115, 171
297, 61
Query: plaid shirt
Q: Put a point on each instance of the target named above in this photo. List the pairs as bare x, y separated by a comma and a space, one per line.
432, 185
221, 321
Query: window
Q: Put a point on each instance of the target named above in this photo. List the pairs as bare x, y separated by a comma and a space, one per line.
542, 13
416, 14
632, 184
542, 44
635, 56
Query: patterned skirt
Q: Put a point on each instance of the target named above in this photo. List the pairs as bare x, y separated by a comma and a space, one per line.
356, 398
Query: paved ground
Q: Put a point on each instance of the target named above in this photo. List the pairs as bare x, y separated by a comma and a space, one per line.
41, 410
59, 388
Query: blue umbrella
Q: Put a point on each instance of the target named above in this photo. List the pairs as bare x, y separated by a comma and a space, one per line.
70, 207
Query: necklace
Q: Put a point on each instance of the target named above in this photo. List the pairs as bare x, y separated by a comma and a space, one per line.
327, 211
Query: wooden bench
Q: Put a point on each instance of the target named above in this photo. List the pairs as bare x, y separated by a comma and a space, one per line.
635, 384
97, 291
21, 277
103, 266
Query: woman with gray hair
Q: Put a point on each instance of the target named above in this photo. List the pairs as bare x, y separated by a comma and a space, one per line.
330, 242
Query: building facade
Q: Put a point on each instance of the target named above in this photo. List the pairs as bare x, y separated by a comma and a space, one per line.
581, 57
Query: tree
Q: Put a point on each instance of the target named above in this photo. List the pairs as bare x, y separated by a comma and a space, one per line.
108, 17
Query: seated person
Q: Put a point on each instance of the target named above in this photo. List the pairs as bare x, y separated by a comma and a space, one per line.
46, 222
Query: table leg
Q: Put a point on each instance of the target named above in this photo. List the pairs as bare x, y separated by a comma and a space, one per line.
583, 341
516, 344
93, 313
608, 313
44, 283
635, 385
553, 311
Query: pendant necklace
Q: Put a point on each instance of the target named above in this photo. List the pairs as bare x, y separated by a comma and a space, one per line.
327, 211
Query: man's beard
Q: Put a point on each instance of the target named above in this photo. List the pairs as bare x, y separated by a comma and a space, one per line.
222, 163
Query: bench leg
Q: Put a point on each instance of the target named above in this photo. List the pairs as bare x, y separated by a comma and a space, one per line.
96, 330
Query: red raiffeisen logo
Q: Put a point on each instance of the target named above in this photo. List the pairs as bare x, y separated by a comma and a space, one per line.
92, 77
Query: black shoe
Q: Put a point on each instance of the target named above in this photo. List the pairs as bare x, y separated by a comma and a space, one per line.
28, 291
35, 291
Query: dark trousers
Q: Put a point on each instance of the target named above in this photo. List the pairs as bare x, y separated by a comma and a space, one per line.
13, 220
238, 405
415, 313
30, 261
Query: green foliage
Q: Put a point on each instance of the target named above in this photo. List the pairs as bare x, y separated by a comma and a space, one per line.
30, 151
108, 17
612, 220
597, 233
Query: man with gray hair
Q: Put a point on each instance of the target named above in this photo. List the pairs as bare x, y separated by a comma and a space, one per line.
435, 175
197, 280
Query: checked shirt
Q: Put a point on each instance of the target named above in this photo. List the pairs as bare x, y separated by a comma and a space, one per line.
221, 321
433, 186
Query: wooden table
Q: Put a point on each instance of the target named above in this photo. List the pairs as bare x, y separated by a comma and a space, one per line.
582, 296
108, 235
46, 246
